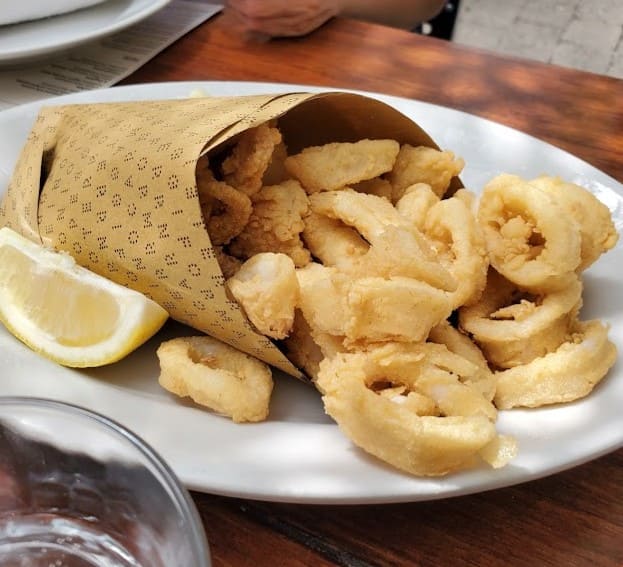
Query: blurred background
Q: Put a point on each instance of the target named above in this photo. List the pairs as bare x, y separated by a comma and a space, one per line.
583, 34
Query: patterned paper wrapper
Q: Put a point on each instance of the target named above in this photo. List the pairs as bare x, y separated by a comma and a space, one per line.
113, 184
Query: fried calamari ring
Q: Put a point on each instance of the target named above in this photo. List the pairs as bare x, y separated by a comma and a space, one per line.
334, 166
396, 247
372, 309
503, 448
275, 224
226, 210
459, 343
513, 327
462, 420
460, 246
530, 239
597, 231
245, 167
217, 376
569, 373
421, 164
267, 289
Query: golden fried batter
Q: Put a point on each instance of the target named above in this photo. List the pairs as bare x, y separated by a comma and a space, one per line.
513, 327
217, 376
226, 210
245, 167
415, 203
597, 231
275, 224
333, 242
460, 245
397, 248
569, 373
421, 164
334, 166
450, 431
267, 289
530, 239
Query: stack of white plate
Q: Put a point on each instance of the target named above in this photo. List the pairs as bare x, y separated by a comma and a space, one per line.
26, 10
30, 29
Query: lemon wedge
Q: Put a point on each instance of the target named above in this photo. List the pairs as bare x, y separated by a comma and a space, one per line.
66, 312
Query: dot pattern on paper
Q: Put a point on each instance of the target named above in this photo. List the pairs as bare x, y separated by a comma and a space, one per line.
119, 194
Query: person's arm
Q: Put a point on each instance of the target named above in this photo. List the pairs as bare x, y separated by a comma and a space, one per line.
298, 17
281, 18
396, 13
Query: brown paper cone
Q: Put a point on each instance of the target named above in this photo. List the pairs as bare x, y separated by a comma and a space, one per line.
114, 186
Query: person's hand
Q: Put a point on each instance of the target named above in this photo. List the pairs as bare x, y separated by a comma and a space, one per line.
279, 18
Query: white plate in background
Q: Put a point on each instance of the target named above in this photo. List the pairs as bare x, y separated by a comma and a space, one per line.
25, 41
299, 454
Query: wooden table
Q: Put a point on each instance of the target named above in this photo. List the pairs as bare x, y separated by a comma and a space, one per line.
574, 518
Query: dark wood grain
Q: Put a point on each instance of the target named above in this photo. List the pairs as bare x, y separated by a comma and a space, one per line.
574, 518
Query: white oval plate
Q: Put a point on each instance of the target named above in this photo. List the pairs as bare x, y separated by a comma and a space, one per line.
299, 455
28, 40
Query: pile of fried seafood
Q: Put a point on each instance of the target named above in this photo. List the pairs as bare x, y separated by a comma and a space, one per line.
416, 313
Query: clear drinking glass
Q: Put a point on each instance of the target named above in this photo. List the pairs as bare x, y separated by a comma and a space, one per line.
79, 490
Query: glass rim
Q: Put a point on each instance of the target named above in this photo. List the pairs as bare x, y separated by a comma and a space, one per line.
179, 492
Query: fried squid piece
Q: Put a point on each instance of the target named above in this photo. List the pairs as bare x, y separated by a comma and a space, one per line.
469, 198
530, 238
250, 158
421, 164
569, 373
369, 214
597, 231
415, 203
226, 210
275, 224
267, 289
413, 406
513, 326
333, 166
323, 298
332, 242
460, 245
217, 376
396, 248
393, 309
459, 343
370, 309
